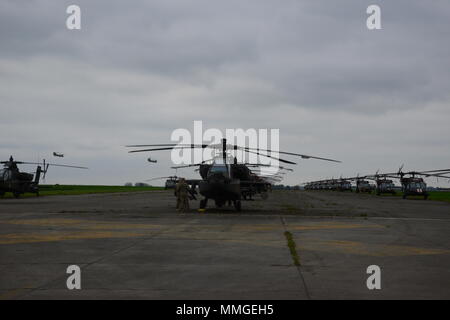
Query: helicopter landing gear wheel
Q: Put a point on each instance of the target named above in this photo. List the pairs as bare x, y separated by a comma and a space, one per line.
16, 194
404, 196
237, 205
425, 197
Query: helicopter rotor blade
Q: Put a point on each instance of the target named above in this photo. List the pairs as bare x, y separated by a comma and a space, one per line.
151, 145
436, 175
172, 146
303, 156
66, 166
186, 166
53, 165
191, 165
400, 172
201, 146
162, 147
158, 178
45, 170
270, 157
438, 170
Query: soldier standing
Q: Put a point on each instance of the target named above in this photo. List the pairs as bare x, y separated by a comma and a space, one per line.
181, 191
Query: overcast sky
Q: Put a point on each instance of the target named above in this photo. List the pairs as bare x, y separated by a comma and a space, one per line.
138, 70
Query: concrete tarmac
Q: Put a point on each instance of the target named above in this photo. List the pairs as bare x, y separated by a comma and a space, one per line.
136, 246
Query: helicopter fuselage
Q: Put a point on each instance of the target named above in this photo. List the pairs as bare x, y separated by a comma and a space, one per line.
363, 186
414, 187
221, 190
224, 182
16, 182
385, 186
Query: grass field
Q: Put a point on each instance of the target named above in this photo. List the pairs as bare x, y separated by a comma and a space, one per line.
439, 195
53, 190
432, 195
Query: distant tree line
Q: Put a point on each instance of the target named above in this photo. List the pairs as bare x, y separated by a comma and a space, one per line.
137, 184
284, 187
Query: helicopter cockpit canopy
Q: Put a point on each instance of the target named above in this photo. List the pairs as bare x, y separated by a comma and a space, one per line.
219, 169
417, 185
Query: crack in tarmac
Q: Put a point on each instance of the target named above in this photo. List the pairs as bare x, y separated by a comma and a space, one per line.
85, 266
298, 267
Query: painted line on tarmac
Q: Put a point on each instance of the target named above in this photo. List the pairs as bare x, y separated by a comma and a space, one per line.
16, 238
367, 249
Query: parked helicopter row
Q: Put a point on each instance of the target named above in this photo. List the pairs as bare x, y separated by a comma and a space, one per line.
412, 182
223, 179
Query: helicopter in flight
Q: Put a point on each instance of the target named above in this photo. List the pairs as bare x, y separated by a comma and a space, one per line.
152, 160
223, 179
17, 182
57, 154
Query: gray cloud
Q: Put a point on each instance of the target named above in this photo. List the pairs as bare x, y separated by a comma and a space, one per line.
135, 72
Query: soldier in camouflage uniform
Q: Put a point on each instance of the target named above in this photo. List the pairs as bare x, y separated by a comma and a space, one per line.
182, 193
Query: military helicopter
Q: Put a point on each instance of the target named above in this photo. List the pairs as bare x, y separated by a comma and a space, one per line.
227, 181
170, 182
12, 180
414, 185
362, 185
315, 185
411, 181
383, 184
57, 154
343, 184
224, 179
